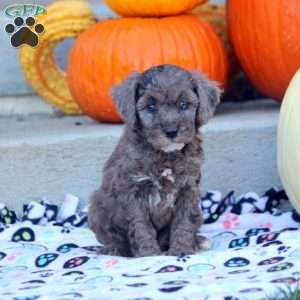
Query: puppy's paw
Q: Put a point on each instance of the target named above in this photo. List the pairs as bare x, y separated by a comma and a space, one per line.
203, 243
148, 252
109, 250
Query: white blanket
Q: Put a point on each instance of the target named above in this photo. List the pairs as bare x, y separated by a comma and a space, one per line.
51, 254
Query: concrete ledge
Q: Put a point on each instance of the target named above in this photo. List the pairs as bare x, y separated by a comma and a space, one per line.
54, 156
25, 106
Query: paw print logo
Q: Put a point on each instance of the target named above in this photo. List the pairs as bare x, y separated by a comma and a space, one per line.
173, 286
237, 243
2, 255
112, 262
169, 269
64, 248
132, 275
280, 267
200, 268
3, 227
75, 262
176, 282
256, 231
7, 216
44, 273
25, 234
270, 261
45, 259
139, 284
237, 262
272, 243
286, 280
235, 272
71, 295
267, 237
24, 32
171, 289
251, 290
283, 249
66, 229
92, 248
183, 258
231, 221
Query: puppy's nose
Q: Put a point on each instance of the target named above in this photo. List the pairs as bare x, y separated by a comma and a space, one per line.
171, 132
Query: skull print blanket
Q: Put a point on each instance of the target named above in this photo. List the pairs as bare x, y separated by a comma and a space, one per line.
49, 253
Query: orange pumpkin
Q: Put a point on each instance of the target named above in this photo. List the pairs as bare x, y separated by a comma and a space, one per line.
151, 8
215, 14
265, 35
105, 54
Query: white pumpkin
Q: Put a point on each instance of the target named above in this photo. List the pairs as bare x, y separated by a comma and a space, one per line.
288, 142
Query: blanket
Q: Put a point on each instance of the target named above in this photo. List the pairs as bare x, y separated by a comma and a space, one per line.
49, 253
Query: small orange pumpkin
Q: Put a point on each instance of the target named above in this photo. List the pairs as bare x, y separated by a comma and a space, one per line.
106, 53
151, 8
265, 35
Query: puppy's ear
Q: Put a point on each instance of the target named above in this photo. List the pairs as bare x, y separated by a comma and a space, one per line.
208, 94
125, 96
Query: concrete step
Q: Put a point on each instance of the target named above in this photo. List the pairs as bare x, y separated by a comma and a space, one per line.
25, 106
53, 156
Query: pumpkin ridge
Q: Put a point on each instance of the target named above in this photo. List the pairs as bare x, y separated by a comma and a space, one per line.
172, 35
206, 61
178, 42
115, 34
111, 47
191, 41
160, 43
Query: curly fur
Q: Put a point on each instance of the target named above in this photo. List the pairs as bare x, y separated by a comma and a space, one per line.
148, 202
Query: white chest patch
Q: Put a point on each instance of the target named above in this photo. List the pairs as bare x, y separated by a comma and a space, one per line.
168, 174
170, 201
173, 147
154, 200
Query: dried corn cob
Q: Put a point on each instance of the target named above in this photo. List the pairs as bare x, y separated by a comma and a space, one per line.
64, 19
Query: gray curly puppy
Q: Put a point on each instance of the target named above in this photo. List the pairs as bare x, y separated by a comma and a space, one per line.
148, 202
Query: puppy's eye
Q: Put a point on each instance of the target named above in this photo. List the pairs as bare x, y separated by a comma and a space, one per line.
184, 105
151, 108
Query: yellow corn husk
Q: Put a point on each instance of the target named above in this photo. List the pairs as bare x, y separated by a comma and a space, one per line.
63, 19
